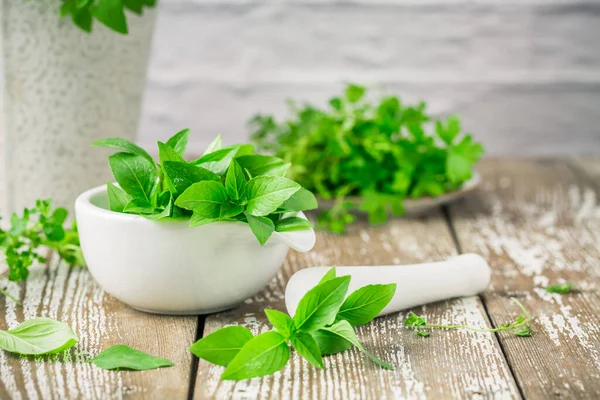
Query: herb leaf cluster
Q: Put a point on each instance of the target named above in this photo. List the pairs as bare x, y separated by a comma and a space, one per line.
323, 324
518, 327
109, 12
225, 184
380, 152
38, 227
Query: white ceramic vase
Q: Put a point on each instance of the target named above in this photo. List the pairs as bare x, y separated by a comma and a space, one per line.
63, 89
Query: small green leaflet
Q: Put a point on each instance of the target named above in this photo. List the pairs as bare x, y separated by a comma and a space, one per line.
258, 164
262, 227
292, 224
560, 289
214, 145
329, 275
320, 305
306, 345
263, 355
123, 357
330, 343
125, 146
266, 193
235, 182
178, 142
301, 200
365, 303
167, 153
38, 336
208, 199
281, 321
117, 198
344, 330
184, 175
135, 175
222, 346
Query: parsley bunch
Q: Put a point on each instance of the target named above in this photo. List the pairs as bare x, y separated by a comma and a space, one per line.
323, 324
109, 12
225, 184
38, 227
380, 152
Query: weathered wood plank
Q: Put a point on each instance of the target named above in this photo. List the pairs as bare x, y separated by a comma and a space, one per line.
538, 223
445, 365
71, 295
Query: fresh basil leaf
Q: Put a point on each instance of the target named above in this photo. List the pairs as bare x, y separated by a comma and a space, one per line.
117, 198
205, 198
165, 213
221, 346
184, 175
229, 210
329, 275
263, 355
214, 145
365, 303
259, 164
354, 93
281, 321
138, 206
300, 201
292, 224
111, 14
262, 227
219, 160
120, 357
125, 146
561, 289
266, 193
344, 330
308, 348
135, 175
179, 141
330, 343
38, 336
167, 153
320, 304
198, 220
235, 181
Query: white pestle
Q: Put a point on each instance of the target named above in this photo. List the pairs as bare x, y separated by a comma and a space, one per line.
417, 284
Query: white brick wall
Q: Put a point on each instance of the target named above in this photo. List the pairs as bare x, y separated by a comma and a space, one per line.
524, 75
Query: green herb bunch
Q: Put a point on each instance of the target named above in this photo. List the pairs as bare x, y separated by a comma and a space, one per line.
323, 324
109, 12
225, 184
38, 228
380, 152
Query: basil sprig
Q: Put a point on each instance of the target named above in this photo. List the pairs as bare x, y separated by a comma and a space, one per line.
225, 184
323, 324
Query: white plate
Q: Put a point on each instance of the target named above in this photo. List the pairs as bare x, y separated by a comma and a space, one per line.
423, 204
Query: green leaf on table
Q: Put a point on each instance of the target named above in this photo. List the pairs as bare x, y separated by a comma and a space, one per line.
561, 288
301, 200
292, 224
320, 304
266, 193
308, 348
330, 343
135, 175
259, 164
111, 14
125, 146
221, 346
281, 321
179, 141
38, 336
214, 145
120, 357
365, 303
523, 331
117, 198
344, 330
167, 153
263, 355
235, 181
262, 227
184, 175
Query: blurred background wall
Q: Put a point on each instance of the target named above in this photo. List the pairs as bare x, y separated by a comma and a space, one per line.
524, 75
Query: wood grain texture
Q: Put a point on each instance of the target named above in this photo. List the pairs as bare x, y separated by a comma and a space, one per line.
71, 295
538, 223
445, 365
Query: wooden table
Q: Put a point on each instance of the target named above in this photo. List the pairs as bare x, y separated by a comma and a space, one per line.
537, 222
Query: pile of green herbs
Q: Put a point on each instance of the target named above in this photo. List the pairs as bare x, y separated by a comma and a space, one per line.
225, 184
380, 152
